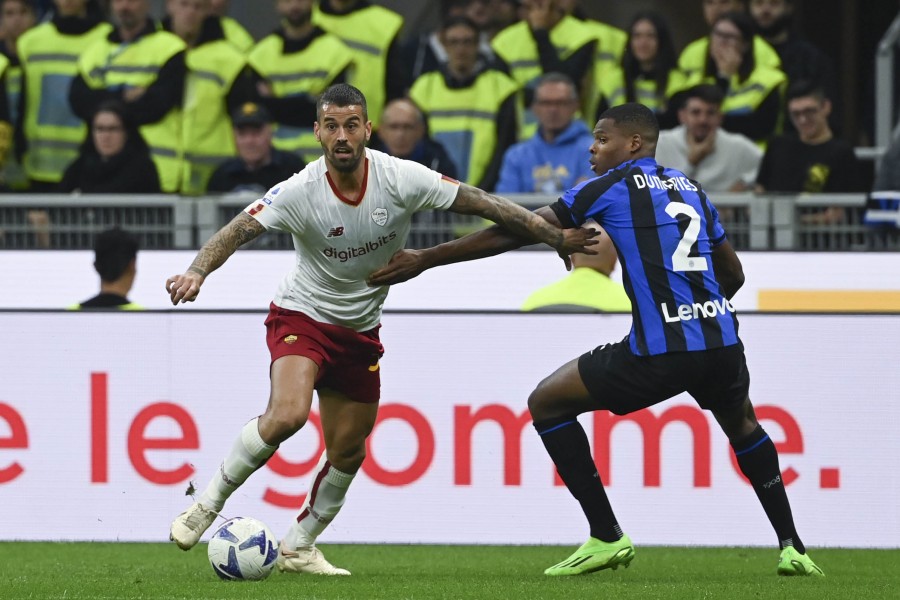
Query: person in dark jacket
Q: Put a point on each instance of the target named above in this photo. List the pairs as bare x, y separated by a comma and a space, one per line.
114, 158
404, 134
259, 165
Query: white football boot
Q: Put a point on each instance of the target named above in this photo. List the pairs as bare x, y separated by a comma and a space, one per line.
306, 560
189, 526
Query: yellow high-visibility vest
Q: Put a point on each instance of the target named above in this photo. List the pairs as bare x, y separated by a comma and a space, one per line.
108, 64
309, 71
368, 33
54, 132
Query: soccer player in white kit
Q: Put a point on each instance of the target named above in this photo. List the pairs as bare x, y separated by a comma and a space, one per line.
348, 212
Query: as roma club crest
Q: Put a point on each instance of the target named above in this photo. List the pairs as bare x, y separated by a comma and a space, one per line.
379, 215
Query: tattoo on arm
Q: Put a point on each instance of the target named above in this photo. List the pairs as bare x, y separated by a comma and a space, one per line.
508, 214
216, 251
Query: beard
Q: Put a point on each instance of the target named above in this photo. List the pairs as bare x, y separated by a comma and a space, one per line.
298, 20
777, 26
344, 163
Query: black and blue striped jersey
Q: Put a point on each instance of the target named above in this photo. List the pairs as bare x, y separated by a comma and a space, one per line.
664, 228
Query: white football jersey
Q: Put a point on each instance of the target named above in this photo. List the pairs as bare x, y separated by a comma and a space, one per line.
339, 243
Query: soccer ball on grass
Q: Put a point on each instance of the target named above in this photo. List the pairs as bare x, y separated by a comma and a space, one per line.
243, 548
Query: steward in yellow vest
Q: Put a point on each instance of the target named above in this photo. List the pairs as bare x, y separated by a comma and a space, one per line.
217, 83
49, 55
235, 33
371, 32
145, 68
754, 93
643, 74
693, 58
548, 41
115, 253
6, 129
12, 142
294, 65
471, 108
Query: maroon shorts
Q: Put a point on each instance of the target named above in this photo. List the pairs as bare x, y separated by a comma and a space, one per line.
347, 359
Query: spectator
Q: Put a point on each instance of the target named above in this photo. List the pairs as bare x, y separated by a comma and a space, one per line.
693, 58
258, 166
502, 14
292, 67
114, 159
812, 161
754, 93
547, 41
425, 52
470, 106
50, 133
115, 252
217, 84
556, 157
6, 128
702, 150
16, 18
372, 33
800, 59
646, 72
144, 67
404, 134
587, 288
234, 31
610, 47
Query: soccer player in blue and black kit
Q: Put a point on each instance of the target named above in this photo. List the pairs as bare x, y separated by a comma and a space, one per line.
680, 273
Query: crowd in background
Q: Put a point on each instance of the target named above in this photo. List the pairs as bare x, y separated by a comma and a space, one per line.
503, 95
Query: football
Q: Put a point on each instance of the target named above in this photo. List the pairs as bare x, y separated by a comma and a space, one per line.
243, 548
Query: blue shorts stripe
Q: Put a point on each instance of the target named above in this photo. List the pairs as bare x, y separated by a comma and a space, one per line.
753, 447
555, 427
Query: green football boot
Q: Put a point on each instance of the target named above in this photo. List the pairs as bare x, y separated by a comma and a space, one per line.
595, 555
793, 563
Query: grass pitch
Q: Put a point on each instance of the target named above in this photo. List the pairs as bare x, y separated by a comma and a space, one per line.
161, 571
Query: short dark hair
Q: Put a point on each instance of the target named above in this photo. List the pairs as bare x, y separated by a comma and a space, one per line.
707, 92
342, 94
557, 77
114, 249
803, 88
634, 117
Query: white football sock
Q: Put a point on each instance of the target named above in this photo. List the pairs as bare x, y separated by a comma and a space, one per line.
248, 454
324, 500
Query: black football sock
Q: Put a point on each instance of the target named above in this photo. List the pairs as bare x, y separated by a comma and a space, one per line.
758, 460
568, 446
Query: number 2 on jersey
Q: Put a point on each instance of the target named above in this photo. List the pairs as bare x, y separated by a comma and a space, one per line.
681, 259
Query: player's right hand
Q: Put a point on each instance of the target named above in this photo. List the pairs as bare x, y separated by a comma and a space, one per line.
577, 239
184, 288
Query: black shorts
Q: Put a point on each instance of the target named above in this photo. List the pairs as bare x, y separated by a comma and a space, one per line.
622, 382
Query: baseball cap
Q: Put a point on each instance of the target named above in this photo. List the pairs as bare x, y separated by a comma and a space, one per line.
250, 114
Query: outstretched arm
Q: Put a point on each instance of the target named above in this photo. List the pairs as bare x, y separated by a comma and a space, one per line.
407, 264
520, 222
213, 254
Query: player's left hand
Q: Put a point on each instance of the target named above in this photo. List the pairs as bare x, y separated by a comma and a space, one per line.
403, 266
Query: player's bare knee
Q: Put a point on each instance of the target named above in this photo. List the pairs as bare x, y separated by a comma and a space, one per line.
538, 403
284, 422
347, 458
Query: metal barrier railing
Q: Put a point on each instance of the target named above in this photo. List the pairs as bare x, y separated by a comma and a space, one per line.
753, 222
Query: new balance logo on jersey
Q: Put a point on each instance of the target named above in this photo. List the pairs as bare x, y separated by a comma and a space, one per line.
697, 310
335, 232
